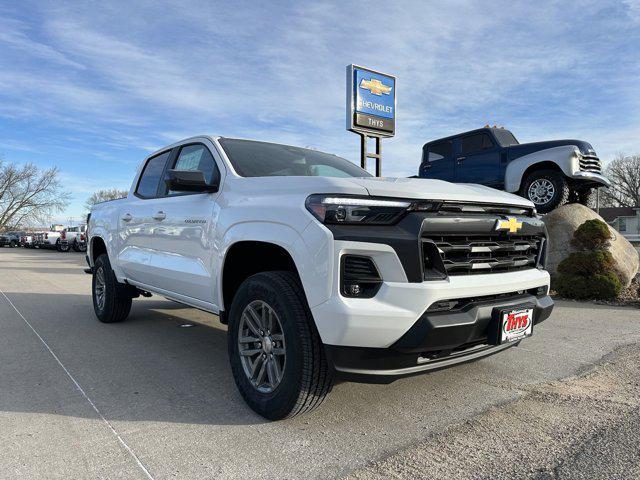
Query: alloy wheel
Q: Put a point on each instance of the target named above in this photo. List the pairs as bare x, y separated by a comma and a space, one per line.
100, 288
261, 346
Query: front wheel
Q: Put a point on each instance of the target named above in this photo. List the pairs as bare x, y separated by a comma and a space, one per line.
547, 189
276, 355
111, 301
588, 197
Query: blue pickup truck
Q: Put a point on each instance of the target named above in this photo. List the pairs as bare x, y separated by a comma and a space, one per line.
547, 173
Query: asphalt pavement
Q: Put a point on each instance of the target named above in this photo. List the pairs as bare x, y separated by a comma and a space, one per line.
153, 397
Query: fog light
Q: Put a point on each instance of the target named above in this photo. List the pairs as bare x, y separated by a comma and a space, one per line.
354, 290
359, 277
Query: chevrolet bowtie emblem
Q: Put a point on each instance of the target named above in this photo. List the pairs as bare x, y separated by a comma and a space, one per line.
375, 86
512, 224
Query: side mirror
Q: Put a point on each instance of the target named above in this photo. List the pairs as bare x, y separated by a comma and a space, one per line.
189, 181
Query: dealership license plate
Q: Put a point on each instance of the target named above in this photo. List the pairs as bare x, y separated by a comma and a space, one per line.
516, 324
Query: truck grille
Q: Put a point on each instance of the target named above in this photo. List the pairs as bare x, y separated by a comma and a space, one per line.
590, 163
481, 254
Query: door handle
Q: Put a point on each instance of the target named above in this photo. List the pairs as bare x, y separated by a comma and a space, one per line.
460, 159
127, 217
160, 215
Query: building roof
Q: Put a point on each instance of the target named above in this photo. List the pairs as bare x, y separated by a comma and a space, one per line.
611, 213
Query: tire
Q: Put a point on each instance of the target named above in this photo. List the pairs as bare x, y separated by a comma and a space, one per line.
560, 193
306, 378
13, 244
587, 197
116, 301
62, 247
81, 247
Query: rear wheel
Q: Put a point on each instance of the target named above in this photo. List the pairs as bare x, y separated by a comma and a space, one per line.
62, 247
111, 300
276, 355
547, 189
13, 244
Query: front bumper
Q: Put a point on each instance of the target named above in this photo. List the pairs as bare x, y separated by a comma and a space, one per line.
381, 321
591, 177
437, 340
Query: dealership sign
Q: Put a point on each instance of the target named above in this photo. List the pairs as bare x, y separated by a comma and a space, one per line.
371, 102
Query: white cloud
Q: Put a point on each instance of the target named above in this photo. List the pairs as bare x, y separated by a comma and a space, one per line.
122, 80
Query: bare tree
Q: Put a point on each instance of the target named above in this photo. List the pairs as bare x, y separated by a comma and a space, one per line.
624, 173
29, 194
104, 196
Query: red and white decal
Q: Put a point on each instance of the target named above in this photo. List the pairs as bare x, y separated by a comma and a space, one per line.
516, 324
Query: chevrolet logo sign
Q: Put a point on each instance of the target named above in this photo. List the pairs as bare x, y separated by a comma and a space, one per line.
511, 224
375, 86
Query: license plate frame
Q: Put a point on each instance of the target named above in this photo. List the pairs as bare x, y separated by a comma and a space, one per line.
515, 323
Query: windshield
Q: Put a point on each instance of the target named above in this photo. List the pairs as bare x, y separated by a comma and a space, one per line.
260, 159
505, 137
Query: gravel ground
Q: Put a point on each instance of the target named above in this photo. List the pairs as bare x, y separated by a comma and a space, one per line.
584, 427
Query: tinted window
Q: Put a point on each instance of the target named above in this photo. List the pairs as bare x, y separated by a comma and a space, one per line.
440, 150
150, 178
197, 157
476, 143
260, 159
505, 137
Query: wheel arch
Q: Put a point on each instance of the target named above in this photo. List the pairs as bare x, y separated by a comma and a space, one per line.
248, 257
560, 158
309, 251
97, 246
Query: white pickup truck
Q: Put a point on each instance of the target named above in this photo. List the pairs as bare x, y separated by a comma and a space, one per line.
318, 268
50, 239
73, 238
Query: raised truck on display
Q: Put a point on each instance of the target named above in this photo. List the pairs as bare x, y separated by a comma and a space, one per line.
318, 268
548, 173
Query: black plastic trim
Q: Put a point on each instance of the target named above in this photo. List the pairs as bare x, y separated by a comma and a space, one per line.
436, 331
371, 286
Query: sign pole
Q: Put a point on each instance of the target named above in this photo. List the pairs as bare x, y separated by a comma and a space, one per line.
371, 110
364, 153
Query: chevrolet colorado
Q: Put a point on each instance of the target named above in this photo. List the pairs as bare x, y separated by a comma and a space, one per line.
318, 268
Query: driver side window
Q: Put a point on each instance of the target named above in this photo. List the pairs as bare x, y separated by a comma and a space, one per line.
196, 157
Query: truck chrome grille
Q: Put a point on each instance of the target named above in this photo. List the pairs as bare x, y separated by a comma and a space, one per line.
590, 163
480, 254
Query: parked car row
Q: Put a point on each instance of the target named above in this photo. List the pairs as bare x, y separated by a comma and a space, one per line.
57, 237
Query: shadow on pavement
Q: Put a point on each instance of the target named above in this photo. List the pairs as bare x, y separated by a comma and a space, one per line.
147, 368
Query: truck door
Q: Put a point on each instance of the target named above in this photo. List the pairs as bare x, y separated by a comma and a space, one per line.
182, 234
477, 160
136, 222
437, 161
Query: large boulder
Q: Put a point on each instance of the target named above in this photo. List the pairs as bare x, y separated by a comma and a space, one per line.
564, 221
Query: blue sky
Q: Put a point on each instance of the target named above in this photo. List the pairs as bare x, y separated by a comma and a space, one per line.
93, 87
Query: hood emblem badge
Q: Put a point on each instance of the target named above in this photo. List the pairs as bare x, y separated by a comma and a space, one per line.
511, 224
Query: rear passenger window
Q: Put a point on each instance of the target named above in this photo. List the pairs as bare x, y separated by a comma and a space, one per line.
440, 150
151, 176
197, 157
476, 143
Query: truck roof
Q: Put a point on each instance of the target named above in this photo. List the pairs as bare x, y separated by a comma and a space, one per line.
450, 137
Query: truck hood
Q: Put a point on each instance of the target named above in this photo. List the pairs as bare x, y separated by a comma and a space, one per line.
516, 151
427, 189
412, 188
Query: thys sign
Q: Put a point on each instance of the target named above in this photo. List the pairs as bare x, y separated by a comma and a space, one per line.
371, 102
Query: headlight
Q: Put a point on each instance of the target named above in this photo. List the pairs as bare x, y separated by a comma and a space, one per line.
346, 210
